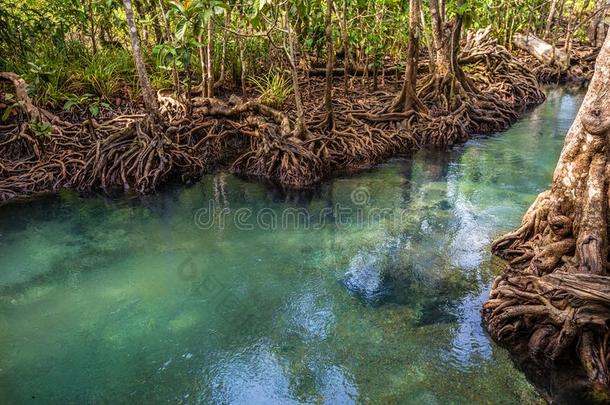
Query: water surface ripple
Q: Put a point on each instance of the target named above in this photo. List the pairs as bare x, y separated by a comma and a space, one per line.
366, 291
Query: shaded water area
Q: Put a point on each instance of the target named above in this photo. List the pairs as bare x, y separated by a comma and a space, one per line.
365, 291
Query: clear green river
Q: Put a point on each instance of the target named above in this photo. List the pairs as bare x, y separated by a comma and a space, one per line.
367, 290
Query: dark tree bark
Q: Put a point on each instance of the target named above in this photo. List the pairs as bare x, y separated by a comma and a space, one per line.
150, 101
330, 55
407, 99
556, 290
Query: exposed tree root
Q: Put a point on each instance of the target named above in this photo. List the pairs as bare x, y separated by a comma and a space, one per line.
556, 290
492, 95
580, 71
132, 153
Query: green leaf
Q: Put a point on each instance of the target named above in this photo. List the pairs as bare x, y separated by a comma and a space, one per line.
68, 105
7, 113
181, 29
94, 109
179, 6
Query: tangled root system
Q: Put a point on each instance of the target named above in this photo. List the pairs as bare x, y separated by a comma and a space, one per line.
135, 153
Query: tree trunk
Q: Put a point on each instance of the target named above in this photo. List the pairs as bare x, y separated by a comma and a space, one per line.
447, 83
243, 64
168, 32
428, 40
556, 290
549, 20
299, 128
152, 10
596, 29
346, 50
407, 99
202, 64
437, 28
569, 31
210, 70
170, 37
223, 56
150, 101
91, 26
541, 50
140, 10
330, 55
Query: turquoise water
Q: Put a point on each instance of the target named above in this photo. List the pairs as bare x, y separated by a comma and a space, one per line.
365, 291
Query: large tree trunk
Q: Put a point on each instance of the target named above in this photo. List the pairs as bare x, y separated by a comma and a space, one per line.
556, 290
446, 84
541, 50
150, 101
407, 100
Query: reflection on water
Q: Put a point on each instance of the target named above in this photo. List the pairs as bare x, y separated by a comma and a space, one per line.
123, 301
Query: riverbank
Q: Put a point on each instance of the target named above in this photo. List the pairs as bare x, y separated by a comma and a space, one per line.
134, 155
